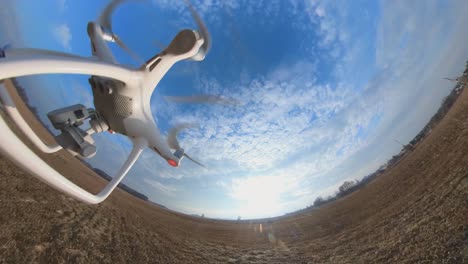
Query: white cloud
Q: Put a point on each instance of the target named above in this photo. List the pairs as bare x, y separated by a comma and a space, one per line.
63, 35
279, 118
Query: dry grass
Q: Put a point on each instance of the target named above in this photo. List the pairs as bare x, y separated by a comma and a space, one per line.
415, 212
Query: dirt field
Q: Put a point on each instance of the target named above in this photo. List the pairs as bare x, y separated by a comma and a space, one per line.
417, 212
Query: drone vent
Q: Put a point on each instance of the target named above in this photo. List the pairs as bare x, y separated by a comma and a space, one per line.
123, 105
112, 106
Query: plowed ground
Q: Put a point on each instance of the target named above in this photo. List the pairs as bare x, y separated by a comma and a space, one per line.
416, 212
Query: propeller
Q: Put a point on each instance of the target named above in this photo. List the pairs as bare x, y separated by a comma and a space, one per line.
203, 30
105, 20
174, 143
202, 99
194, 161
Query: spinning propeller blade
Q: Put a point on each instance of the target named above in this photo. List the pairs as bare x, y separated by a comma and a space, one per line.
203, 32
127, 49
172, 137
174, 143
194, 161
105, 20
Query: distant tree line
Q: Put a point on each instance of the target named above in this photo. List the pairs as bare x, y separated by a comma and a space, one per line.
345, 188
348, 187
22, 93
122, 185
445, 106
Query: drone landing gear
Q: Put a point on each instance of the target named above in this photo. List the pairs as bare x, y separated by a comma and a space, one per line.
16, 150
74, 139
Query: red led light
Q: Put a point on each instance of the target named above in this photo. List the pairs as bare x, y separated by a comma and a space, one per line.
173, 163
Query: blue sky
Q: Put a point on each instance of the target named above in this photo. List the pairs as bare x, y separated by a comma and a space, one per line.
326, 87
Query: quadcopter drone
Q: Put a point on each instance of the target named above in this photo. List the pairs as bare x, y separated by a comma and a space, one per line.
121, 99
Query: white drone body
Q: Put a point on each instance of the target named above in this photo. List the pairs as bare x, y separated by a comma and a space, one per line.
121, 97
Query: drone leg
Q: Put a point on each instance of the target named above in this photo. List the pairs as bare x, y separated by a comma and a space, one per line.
138, 145
14, 149
12, 111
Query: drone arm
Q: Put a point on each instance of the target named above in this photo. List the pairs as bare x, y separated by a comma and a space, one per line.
49, 63
154, 74
12, 111
16, 52
185, 45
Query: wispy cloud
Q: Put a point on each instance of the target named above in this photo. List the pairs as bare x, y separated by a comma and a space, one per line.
63, 35
166, 189
283, 114
62, 5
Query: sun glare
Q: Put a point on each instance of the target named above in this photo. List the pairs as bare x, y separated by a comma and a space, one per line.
258, 196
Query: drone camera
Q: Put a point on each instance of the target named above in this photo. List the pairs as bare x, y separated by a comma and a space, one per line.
71, 115
68, 120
